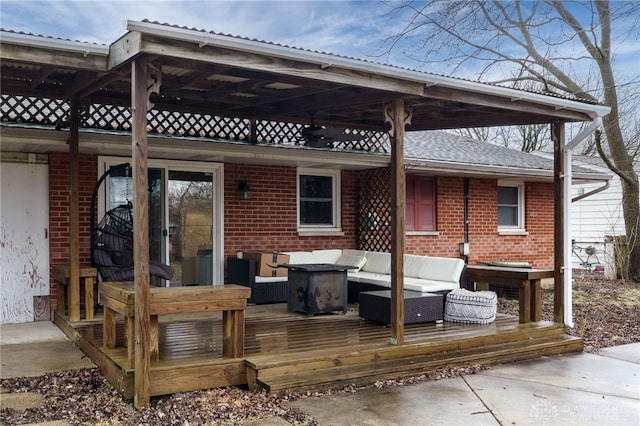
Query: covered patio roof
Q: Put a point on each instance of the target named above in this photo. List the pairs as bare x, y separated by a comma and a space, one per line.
230, 76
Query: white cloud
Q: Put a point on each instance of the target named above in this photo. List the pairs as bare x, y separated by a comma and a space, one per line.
349, 28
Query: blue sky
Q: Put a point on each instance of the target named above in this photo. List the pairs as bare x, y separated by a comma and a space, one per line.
351, 28
343, 27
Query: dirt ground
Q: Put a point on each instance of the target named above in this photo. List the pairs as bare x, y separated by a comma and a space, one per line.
606, 313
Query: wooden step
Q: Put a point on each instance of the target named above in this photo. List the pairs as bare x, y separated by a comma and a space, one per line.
367, 373
276, 365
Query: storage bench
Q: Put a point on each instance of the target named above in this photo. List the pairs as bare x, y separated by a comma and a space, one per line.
418, 307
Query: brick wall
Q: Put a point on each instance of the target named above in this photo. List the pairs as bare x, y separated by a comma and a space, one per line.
268, 221
59, 192
484, 241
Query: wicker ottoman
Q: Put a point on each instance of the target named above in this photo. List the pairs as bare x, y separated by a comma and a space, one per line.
477, 307
418, 307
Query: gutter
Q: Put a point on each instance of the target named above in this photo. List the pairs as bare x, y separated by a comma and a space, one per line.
325, 60
29, 40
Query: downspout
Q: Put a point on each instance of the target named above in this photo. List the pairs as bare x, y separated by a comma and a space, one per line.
592, 192
568, 273
466, 218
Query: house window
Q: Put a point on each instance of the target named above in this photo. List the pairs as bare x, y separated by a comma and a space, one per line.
421, 203
510, 206
318, 200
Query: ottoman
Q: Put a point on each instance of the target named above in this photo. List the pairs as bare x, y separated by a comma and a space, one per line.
478, 307
418, 307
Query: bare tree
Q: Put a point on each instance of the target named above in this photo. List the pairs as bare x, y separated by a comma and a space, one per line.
563, 47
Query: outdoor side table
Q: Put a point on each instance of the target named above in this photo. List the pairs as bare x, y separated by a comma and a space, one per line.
418, 307
527, 281
317, 288
71, 299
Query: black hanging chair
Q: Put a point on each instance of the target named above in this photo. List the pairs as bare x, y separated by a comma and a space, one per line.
112, 241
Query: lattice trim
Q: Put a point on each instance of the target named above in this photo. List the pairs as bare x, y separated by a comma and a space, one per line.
43, 111
374, 210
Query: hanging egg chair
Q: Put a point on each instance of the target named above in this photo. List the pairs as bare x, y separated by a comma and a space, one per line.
112, 241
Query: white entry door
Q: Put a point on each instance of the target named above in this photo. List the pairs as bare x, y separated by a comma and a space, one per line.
24, 245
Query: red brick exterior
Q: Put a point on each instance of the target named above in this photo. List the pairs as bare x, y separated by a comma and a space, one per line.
268, 221
485, 242
59, 192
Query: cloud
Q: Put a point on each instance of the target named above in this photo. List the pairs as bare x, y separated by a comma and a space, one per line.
349, 28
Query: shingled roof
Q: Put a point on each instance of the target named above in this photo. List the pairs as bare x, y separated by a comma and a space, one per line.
438, 149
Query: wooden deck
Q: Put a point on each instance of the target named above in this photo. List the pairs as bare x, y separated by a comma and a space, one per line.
293, 351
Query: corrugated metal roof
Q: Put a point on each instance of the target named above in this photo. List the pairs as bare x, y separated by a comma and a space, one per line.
270, 43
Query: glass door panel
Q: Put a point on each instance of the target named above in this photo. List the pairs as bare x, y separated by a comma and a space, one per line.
157, 229
191, 227
121, 192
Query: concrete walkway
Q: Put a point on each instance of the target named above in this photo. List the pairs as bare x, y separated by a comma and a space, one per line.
36, 348
582, 389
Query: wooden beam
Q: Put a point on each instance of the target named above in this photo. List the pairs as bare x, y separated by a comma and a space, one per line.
74, 215
52, 57
139, 99
284, 67
395, 113
558, 136
510, 104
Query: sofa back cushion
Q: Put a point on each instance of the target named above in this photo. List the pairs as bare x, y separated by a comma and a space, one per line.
300, 257
355, 258
327, 256
378, 263
442, 269
413, 265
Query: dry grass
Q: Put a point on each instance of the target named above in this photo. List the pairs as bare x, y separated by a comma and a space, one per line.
605, 312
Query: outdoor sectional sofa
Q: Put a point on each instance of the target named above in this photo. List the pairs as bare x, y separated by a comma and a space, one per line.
424, 274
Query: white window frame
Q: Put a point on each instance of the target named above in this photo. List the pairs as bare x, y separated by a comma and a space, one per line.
335, 228
520, 227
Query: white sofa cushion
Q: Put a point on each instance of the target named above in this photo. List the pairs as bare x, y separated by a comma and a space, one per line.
327, 256
378, 263
383, 280
446, 269
355, 258
270, 279
425, 286
412, 265
300, 257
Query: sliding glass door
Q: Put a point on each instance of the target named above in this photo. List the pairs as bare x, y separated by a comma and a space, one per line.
185, 217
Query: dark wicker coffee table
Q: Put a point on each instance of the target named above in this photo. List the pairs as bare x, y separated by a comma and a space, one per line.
418, 307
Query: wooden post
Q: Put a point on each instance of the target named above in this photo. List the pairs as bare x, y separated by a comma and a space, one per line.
139, 98
74, 215
558, 136
398, 119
